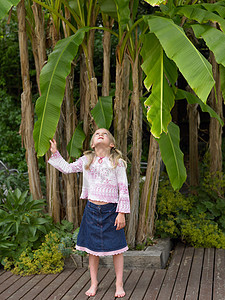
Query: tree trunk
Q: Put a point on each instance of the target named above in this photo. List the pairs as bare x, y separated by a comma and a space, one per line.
121, 104
149, 193
71, 179
215, 129
136, 155
27, 120
193, 143
39, 40
106, 59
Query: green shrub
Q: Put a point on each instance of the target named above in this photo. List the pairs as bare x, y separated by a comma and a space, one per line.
199, 220
45, 260
199, 232
22, 223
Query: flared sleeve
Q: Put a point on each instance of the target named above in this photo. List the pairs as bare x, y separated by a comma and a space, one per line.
123, 205
58, 162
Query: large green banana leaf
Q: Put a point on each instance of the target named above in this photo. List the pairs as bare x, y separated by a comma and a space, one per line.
161, 99
75, 145
52, 84
5, 6
191, 63
222, 80
103, 112
192, 99
193, 12
172, 156
215, 40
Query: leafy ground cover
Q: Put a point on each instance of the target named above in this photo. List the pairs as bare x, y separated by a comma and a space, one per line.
30, 243
197, 219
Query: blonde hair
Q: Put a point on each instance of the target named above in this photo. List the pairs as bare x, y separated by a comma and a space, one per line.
114, 157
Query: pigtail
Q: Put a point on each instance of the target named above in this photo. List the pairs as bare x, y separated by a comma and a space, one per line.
90, 156
115, 156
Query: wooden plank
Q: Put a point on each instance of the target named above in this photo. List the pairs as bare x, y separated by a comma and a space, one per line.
40, 286
219, 275
46, 293
207, 275
143, 284
110, 293
8, 282
82, 281
195, 275
70, 281
5, 276
183, 275
155, 285
27, 287
171, 274
101, 273
13, 288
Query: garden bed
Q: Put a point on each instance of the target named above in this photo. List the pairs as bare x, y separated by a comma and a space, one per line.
153, 257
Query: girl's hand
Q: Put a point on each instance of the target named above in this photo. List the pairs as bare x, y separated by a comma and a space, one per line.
120, 221
53, 146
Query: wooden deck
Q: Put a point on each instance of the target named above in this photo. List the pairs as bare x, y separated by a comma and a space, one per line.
192, 274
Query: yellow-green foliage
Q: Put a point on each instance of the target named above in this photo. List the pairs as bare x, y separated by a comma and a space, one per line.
198, 220
170, 205
45, 260
171, 202
168, 227
202, 233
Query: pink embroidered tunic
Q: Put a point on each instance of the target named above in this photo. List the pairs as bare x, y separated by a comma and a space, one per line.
101, 182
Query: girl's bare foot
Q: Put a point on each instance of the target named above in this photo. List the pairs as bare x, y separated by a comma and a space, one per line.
92, 291
120, 293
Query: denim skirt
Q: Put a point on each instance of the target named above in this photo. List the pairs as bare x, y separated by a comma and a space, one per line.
97, 234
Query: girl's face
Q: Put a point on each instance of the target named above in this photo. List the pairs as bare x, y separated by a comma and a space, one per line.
102, 137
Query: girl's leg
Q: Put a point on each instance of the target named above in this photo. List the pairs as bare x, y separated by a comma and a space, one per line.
93, 264
118, 265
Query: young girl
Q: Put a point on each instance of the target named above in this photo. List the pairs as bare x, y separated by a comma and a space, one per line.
105, 186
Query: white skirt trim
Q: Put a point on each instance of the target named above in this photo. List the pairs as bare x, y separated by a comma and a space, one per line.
101, 253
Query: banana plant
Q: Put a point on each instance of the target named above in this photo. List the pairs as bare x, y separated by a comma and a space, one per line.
175, 51
52, 84
188, 59
161, 99
169, 38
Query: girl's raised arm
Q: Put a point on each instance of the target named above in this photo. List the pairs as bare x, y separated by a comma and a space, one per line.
58, 162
